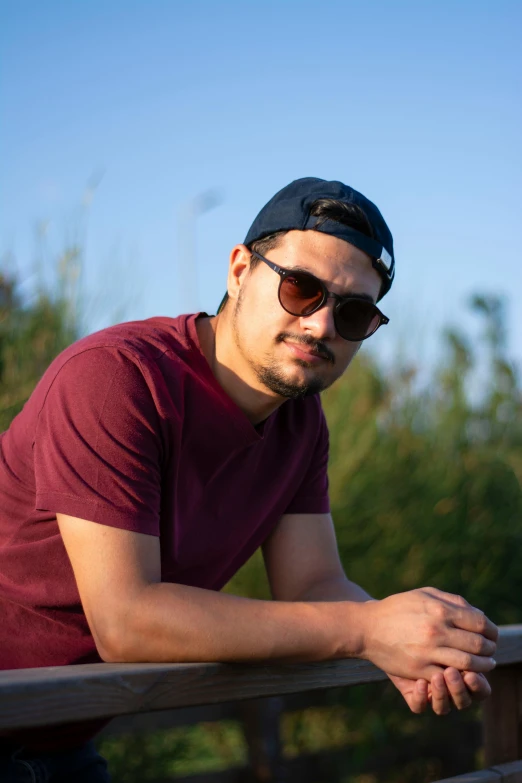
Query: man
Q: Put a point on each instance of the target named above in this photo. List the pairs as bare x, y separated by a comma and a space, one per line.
155, 457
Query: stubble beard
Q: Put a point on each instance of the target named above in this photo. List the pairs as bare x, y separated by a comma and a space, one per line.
271, 376
269, 372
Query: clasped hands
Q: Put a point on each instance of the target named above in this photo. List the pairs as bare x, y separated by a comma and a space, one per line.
448, 651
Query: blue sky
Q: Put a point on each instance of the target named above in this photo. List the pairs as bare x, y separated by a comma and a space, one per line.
416, 104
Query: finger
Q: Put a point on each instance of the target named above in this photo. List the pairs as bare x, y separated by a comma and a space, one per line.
451, 598
440, 699
475, 621
457, 689
428, 672
463, 661
470, 642
477, 685
418, 698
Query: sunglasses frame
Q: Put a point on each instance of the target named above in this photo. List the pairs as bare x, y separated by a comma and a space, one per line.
326, 294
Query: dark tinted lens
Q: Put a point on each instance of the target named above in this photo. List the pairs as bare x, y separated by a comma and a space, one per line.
356, 319
300, 293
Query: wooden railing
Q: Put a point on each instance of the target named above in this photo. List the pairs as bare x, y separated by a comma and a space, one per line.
57, 695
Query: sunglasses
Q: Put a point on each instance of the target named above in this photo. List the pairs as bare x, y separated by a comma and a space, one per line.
301, 294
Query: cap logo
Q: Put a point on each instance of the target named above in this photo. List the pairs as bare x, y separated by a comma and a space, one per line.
385, 259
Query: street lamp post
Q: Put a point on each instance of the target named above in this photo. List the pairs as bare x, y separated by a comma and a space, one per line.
188, 262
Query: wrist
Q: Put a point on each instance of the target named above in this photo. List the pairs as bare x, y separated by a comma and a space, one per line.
365, 621
351, 623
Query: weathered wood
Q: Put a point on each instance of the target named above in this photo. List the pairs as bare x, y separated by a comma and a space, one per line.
484, 776
511, 773
506, 773
54, 695
502, 716
509, 648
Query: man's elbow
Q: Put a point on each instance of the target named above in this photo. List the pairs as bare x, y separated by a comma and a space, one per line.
111, 637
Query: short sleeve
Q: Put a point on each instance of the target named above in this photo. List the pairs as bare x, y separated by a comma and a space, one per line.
312, 495
98, 445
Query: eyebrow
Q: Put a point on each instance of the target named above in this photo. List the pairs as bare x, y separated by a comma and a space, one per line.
366, 297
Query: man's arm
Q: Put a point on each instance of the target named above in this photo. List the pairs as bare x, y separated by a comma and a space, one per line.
303, 564
135, 617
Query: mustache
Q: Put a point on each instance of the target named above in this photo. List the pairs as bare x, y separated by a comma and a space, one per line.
317, 346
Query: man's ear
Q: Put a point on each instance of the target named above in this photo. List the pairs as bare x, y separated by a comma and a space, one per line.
238, 267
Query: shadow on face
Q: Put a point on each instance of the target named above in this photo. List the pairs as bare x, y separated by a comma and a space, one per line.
294, 356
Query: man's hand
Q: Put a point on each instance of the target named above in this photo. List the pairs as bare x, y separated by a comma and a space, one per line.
413, 635
448, 688
419, 634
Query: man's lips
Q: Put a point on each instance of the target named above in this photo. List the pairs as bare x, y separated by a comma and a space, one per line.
305, 353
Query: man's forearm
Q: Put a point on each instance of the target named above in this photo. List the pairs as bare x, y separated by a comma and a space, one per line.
170, 622
411, 635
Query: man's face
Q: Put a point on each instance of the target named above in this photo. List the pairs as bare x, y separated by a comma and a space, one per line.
294, 356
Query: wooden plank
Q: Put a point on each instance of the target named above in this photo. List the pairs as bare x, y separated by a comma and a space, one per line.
509, 648
502, 718
54, 695
507, 773
511, 773
484, 776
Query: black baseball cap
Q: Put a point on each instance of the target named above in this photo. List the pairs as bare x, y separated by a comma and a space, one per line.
289, 209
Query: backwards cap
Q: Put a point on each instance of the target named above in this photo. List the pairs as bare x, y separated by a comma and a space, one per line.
289, 209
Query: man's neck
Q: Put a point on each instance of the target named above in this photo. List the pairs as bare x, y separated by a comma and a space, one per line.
232, 372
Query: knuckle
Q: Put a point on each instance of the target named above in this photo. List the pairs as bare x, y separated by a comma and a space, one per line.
478, 646
467, 661
439, 611
431, 633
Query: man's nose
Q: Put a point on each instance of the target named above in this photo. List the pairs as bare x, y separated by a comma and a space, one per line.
321, 323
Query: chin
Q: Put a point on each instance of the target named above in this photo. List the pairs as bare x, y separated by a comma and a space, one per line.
293, 386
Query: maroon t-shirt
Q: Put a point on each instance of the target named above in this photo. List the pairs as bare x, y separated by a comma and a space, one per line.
129, 428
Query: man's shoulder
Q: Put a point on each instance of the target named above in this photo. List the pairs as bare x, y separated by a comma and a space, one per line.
143, 342
132, 354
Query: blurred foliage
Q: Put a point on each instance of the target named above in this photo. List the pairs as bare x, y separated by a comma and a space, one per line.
32, 332
425, 489
207, 747
425, 486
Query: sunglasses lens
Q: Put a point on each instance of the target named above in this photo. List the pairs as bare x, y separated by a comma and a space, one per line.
300, 293
356, 319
